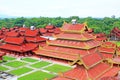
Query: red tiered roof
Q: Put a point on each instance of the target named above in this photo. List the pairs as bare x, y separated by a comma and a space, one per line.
19, 39
49, 27
22, 29
75, 44
109, 44
19, 48
78, 73
115, 32
14, 40
49, 30
82, 52
89, 61
69, 51
12, 34
56, 55
57, 30
31, 33
73, 36
101, 39
106, 55
107, 49
75, 27
98, 70
43, 30
111, 73
35, 39
95, 73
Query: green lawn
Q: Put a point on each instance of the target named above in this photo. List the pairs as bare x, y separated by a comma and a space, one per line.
8, 58
15, 64
38, 75
29, 59
118, 43
40, 64
20, 71
3, 68
58, 68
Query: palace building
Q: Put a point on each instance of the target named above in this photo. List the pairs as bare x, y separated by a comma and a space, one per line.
75, 45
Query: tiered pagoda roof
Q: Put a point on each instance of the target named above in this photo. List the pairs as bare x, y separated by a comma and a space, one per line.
33, 36
107, 49
96, 73
49, 30
71, 44
116, 32
75, 44
101, 37
21, 39
17, 44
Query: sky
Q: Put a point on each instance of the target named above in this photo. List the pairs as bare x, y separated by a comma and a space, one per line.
60, 8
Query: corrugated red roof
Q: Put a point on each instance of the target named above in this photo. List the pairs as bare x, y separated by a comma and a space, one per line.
49, 27
56, 55
109, 44
111, 73
78, 73
12, 34
23, 29
51, 30
106, 55
107, 50
75, 27
35, 39
101, 39
75, 44
19, 48
14, 40
75, 36
57, 31
99, 35
43, 30
69, 51
91, 60
31, 33
98, 70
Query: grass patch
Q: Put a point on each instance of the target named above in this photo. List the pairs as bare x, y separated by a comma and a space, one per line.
8, 58
20, 71
40, 64
29, 59
38, 75
3, 68
57, 68
15, 64
118, 43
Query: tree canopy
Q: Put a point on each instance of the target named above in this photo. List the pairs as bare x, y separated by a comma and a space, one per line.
98, 24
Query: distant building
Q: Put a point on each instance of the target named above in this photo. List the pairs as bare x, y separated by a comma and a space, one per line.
115, 34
